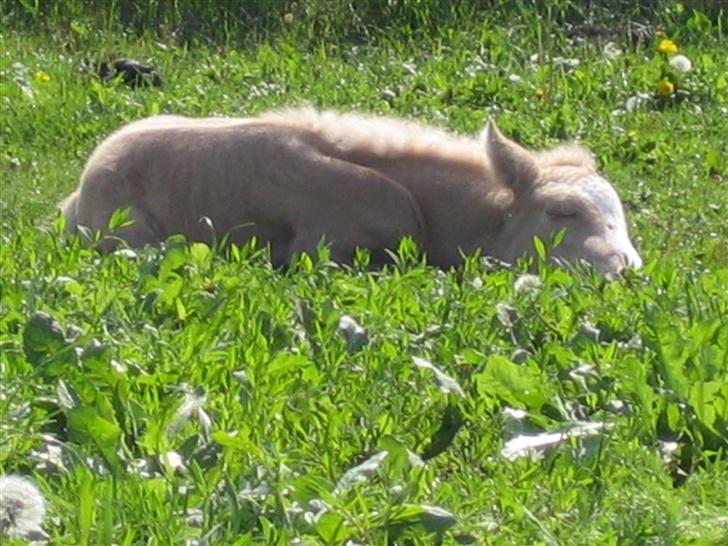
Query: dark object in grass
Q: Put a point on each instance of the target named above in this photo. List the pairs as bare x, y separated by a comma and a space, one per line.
609, 29
132, 73
452, 422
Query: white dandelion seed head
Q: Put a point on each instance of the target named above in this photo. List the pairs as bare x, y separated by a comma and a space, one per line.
611, 51
355, 335
527, 283
127, 253
194, 400
681, 63
568, 64
669, 450
22, 509
633, 103
173, 460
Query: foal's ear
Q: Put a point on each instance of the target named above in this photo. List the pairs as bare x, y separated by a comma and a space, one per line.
512, 164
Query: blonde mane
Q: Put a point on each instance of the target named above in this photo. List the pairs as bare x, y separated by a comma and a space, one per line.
386, 137
567, 154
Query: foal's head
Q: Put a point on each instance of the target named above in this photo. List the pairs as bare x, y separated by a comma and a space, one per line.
554, 190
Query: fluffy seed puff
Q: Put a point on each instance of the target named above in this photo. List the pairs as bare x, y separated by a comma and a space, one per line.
22, 509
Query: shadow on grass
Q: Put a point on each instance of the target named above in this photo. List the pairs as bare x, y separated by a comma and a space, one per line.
231, 22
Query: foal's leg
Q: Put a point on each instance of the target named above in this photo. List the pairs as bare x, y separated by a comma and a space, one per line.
349, 206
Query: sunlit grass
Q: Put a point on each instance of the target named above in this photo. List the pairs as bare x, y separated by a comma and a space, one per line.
187, 395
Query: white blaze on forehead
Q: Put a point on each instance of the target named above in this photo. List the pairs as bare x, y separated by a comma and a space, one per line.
602, 195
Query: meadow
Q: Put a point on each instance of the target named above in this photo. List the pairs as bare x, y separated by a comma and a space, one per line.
196, 395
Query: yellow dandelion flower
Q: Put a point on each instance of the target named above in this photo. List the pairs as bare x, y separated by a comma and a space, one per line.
665, 88
540, 92
668, 47
42, 76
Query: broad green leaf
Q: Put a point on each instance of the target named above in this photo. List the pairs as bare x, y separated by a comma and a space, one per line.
332, 528
170, 291
120, 218
45, 343
540, 248
432, 518
673, 350
673, 417
86, 505
558, 238
520, 386
401, 458
238, 441
96, 356
704, 397
175, 257
200, 254
86, 426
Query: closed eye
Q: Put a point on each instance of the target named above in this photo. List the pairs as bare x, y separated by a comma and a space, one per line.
562, 213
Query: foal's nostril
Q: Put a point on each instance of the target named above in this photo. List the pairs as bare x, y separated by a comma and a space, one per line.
627, 261
618, 263
632, 259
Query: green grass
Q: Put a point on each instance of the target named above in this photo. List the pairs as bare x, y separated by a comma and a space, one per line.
109, 363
